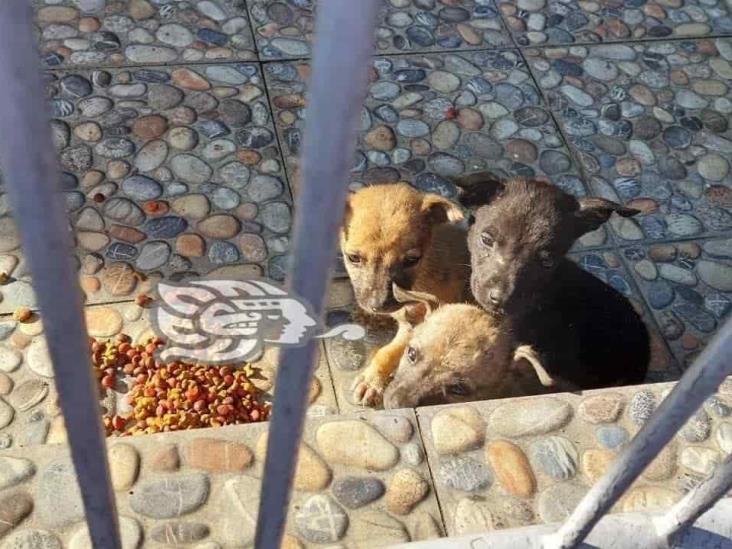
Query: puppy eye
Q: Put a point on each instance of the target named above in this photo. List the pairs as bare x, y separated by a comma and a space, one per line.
457, 389
354, 258
412, 354
547, 261
411, 260
471, 220
487, 239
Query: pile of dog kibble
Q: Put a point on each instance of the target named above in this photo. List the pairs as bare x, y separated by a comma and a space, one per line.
176, 395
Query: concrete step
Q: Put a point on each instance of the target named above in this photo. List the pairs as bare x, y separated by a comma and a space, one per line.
376, 478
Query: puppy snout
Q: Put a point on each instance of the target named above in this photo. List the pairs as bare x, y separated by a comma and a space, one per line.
398, 397
495, 296
381, 302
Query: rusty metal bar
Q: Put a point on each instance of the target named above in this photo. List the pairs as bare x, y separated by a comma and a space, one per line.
696, 503
343, 46
701, 379
31, 176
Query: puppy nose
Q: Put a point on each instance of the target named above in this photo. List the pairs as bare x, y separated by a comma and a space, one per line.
494, 296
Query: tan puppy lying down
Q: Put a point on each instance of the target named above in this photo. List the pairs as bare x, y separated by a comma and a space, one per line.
394, 234
458, 352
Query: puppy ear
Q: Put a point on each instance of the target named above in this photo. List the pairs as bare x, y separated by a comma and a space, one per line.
440, 209
477, 189
526, 352
593, 212
347, 213
409, 297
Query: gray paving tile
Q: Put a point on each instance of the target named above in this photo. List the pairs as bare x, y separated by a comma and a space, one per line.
284, 30
650, 125
143, 32
553, 22
167, 172
688, 286
428, 118
431, 117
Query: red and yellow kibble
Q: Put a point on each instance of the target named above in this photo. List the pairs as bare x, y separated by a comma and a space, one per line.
177, 395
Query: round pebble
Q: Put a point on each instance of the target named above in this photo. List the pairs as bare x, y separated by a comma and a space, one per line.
321, 520
514, 419
457, 429
355, 492
511, 468
641, 407
556, 456
463, 473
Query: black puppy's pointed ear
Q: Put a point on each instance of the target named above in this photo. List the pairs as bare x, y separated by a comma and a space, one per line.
593, 212
477, 189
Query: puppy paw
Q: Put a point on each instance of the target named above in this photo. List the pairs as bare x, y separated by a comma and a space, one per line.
368, 389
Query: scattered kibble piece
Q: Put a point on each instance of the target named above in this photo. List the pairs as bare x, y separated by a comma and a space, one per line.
4, 277
177, 395
22, 314
143, 300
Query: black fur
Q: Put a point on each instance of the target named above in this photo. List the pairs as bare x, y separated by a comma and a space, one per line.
585, 332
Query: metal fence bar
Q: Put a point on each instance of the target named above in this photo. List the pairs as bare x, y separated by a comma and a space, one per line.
700, 380
713, 530
343, 46
696, 502
31, 180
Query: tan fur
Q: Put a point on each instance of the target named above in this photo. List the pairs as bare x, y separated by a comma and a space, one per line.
462, 345
384, 225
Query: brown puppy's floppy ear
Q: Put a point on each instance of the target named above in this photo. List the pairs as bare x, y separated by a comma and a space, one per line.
477, 189
348, 212
440, 209
527, 353
553, 382
593, 212
417, 305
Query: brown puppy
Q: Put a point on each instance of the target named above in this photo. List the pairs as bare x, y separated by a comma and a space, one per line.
394, 234
458, 352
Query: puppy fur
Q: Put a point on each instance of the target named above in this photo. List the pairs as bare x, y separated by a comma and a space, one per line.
459, 352
394, 234
583, 330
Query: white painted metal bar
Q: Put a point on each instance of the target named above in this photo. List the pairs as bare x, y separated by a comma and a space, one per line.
343, 46
701, 379
31, 178
696, 502
713, 530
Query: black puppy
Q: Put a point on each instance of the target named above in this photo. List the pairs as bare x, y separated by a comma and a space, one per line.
584, 331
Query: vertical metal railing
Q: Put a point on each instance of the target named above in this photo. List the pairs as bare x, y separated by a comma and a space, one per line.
31, 177
343, 46
696, 502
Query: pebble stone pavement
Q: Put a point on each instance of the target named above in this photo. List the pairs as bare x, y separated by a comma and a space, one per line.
178, 127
